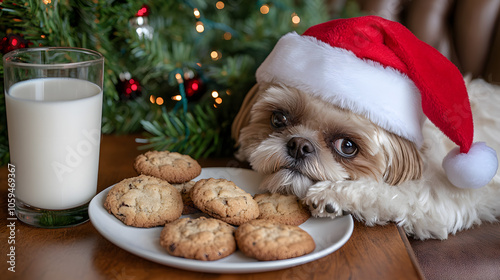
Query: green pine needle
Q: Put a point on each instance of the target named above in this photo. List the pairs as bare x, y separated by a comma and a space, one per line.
170, 132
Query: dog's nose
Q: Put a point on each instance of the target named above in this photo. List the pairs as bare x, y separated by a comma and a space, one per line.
299, 147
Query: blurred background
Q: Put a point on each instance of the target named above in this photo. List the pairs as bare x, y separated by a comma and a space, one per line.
178, 70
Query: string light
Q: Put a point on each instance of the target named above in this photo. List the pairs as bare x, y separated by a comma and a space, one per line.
46, 2
215, 94
215, 55
177, 97
199, 27
227, 36
196, 13
158, 100
264, 9
218, 100
219, 5
295, 19
178, 77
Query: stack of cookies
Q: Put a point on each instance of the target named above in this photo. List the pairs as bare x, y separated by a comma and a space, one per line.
267, 224
150, 199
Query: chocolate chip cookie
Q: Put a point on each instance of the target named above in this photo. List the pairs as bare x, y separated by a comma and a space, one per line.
173, 167
266, 241
222, 199
205, 239
144, 201
185, 191
283, 209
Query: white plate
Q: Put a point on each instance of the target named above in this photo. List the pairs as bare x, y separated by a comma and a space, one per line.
328, 234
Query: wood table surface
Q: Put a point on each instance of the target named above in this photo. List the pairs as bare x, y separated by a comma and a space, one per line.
80, 252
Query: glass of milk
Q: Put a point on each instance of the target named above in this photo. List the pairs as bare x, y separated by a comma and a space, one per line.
54, 105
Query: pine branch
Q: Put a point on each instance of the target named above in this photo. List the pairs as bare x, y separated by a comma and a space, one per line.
169, 133
175, 47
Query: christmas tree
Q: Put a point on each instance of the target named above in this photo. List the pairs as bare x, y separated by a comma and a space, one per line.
178, 70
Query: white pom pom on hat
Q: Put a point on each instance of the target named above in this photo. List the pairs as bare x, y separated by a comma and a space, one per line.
377, 68
471, 169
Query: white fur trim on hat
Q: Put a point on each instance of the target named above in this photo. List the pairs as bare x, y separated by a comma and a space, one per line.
383, 95
473, 169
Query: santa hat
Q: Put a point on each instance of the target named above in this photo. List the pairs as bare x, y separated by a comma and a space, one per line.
377, 68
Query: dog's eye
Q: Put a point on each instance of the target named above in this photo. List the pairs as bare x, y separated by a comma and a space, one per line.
279, 120
345, 147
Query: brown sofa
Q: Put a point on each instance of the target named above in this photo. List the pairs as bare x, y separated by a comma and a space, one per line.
468, 33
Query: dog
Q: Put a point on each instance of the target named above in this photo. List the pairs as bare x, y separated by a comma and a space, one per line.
338, 162
359, 116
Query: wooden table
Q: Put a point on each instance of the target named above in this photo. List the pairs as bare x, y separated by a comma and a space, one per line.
80, 252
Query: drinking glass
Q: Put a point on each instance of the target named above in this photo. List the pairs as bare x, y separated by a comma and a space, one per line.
53, 100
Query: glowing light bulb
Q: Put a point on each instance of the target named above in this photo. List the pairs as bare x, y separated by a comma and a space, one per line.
219, 5
178, 77
215, 55
196, 13
264, 9
199, 27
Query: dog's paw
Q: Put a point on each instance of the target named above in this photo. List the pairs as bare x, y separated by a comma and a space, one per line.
322, 200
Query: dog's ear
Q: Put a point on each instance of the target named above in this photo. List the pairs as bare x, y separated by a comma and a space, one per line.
404, 161
243, 117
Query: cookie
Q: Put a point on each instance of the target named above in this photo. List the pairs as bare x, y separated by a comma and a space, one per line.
185, 191
266, 241
205, 239
283, 209
173, 167
222, 199
144, 201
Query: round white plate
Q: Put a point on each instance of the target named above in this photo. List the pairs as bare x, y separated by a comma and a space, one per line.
328, 234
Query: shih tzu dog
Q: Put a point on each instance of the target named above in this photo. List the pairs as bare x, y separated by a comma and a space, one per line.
338, 118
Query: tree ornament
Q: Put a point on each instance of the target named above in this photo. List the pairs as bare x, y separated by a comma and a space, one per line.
13, 42
143, 11
195, 88
140, 23
128, 87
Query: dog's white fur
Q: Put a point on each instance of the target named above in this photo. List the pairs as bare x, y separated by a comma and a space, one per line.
389, 180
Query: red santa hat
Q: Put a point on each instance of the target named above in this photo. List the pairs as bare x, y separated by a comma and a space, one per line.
377, 68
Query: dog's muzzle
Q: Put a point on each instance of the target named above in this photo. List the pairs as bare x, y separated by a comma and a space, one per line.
299, 147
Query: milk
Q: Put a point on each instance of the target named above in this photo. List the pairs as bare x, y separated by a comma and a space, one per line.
54, 136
